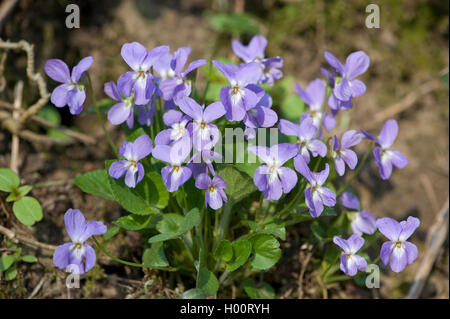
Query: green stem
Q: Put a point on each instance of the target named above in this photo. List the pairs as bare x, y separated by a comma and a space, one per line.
356, 171
107, 253
259, 210
99, 117
224, 221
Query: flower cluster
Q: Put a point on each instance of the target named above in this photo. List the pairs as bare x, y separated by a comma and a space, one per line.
159, 83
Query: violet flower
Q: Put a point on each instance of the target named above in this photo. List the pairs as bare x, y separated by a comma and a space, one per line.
214, 194
306, 134
386, 157
122, 111
77, 257
133, 152
174, 175
71, 92
237, 98
201, 162
254, 52
350, 262
346, 86
179, 128
316, 195
204, 134
173, 78
362, 222
398, 251
342, 154
314, 96
271, 178
140, 79
146, 113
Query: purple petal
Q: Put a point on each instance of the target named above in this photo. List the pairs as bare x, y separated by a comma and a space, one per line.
411, 252
171, 117
364, 223
316, 92
59, 95
134, 54
384, 164
163, 137
111, 90
273, 190
140, 91
249, 99
350, 158
343, 90
162, 153
329, 122
262, 152
154, 55
322, 176
61, 256
356, 64
75, 100
350, 201
288, 179
339, 164
125, 83
90, 257
284, 152
57, 70
289, 128
181, 56
93, 228
399, 259
265, 117
317, 147
328, 197
398, 159
259, 177
141, 173
228, 70
342, 243
355, 242
408, 227
213, 112
194, 65
214, 199
234, 112
191, 107
334, 62
248, 74
302, 167
119, 113
351, 138
385, 252
307, 129
118, 169
303, 94
81, 67
203, 181
142, 146
75, 224
358, 88
130, 178
388, 133
389, 228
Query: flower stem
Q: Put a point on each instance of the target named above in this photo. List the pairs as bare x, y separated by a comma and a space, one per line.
107, 253
99, 117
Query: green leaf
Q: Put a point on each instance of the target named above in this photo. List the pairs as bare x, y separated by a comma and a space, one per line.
50, 114
95, 183
224, 250
266, 249
18, 193
154, 257
29, 259
241, 251
292, 108
149, 196
189, 221
111, 232
27, 210
11, 273
317, 230
239, 184
196, 197
234, 23
8, 180
263, 291
134, 134
276, 228
213, 91
207, 282
5, 262
444, 78
134, 222
195, 293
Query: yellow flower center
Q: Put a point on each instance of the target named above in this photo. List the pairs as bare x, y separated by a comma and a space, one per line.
235, 90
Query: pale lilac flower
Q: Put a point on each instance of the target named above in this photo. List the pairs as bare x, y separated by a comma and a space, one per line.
179, 128
335, 104
254, 52
316, 195
146, 113
350, 262
346, 86
173, 78
133, 153
386, 157
214, 194
307, 141
140, 80
237, 98
77, 257
70, 92
261, 115
314, 96
272, 178
398, 251
174, 175
122, 111
342, 154
362, 222
201, 162
204, 134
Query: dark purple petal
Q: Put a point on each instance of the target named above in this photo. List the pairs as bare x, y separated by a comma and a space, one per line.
81, 67
389, 228
57, 70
